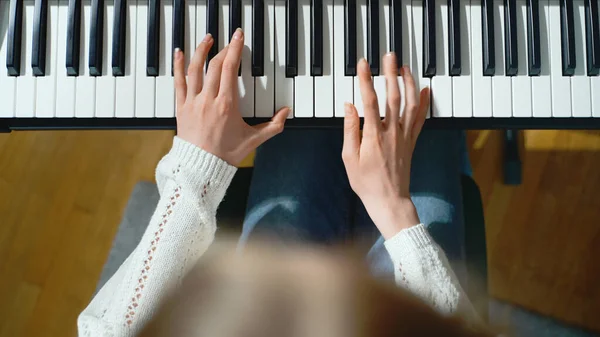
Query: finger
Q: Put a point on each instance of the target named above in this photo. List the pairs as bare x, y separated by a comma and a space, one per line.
390, 69
179, 75
410, 108
351, 147
229, 75
196, 69
268, 130
213, 75
369, 97
422, 113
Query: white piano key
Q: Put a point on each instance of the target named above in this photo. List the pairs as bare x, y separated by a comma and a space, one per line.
324, 84
165, 89
190, 31
343, 85
144, 85
264, 86
7, 83
223, 24
482, 85
246, 81
595, 83
284, 88
105, 84
417, 48
361, 50
580, 82
85, 95
384, 41
541, 90
462, 100
561, 85
380, 89
521, 84
46, 85
66, 89
125, 85
25, 104
303, 96
441, 84
501, 84
200, 21
407, 42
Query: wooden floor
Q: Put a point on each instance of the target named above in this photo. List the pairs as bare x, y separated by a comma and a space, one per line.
62, 195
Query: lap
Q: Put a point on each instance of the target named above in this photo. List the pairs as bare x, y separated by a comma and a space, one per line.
299, 188
300, 191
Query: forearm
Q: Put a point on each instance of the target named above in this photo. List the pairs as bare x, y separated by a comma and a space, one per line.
191, 184
421, 267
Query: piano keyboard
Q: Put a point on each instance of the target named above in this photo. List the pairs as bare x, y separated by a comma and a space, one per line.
489, 63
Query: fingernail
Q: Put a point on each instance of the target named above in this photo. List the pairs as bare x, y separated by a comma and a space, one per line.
238, 34
178, 53
207, 38
391, 54
347, 109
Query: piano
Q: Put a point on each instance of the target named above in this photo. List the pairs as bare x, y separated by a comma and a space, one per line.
98, 64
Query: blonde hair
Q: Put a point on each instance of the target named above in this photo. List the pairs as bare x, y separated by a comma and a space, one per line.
294, 292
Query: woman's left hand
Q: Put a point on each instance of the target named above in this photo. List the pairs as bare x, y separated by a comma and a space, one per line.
208, 114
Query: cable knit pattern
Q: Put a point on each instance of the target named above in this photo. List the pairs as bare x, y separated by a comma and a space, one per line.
422, 268
192, 183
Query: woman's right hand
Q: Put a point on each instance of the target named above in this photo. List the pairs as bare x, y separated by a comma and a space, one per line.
378, 165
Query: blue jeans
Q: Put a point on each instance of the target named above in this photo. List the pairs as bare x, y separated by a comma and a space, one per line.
300, 193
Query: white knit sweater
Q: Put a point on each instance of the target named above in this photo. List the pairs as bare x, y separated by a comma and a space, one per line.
192, 183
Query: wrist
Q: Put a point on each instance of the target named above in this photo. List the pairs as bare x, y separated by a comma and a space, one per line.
392, 216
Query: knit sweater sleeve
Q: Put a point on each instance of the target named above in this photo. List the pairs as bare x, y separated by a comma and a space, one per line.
421, 267
191, 183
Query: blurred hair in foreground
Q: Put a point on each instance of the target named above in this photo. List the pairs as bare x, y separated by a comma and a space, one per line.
271, 291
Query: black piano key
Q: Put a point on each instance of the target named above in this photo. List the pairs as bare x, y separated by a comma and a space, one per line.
235, 21
152, 48
396, 30
373, 36
119, 38
291, 40
316, 38
429, 38
350, 37
511, 57
73, 37
592, 33
567, 28
178, 25
96, 37
178, 28
487, 32
454, 37
38, 51
212, 27
258, 37
13, 52
533, 38
235, 16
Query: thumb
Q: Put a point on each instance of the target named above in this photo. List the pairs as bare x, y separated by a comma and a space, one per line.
351, 134
268, 130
